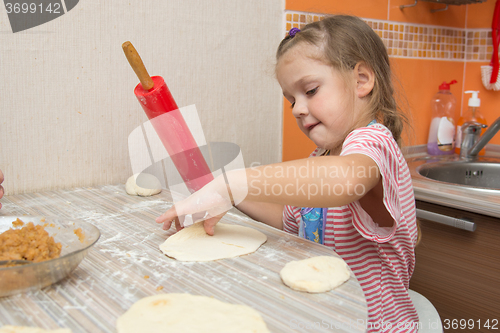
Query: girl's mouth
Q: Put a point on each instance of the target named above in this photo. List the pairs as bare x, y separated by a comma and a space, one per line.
310, 127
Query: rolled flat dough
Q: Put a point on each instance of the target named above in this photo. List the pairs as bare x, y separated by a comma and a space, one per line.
27, 329
315, 275
188, 313
193, 243
143, 184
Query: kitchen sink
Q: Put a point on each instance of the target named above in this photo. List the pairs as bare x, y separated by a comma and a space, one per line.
480, 174
476, 174
471, 185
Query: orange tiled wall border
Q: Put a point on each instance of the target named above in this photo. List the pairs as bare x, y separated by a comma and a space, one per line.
419, 41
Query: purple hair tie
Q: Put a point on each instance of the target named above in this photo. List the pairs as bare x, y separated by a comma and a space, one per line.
293, 32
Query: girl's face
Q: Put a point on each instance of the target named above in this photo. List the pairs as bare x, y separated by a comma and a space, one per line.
323, 102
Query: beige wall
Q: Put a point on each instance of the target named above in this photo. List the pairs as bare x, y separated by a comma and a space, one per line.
66, 90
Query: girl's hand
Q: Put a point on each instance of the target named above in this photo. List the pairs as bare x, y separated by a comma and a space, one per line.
209, 204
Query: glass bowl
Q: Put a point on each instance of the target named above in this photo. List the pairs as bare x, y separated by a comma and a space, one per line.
34, 276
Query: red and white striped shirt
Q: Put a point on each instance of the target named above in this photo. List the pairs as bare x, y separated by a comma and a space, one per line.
382, 259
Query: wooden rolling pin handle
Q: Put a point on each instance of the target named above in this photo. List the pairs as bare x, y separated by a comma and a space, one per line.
137, 65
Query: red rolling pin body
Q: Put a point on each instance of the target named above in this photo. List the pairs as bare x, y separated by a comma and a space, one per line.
174, 133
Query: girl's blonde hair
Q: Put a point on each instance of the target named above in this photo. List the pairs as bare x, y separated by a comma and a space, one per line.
345, 41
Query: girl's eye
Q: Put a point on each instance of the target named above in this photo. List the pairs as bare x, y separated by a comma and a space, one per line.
312, 91
292, 105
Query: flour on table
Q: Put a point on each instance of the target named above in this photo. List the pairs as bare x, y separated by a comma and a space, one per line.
143, 184
193, 243
189, 313
315, 275
27, 329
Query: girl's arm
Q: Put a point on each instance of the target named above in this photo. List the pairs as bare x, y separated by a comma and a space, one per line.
326, 181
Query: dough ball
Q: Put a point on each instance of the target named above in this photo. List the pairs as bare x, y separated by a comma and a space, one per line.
315, 275
26, 329
188, 313
193, 244
143, 184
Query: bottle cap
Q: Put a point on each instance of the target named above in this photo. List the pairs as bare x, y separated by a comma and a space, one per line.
474, 100
446, 86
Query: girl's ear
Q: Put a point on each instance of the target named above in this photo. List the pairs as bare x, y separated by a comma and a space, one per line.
365, 79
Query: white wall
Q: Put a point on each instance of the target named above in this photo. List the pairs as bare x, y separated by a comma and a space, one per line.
66, 89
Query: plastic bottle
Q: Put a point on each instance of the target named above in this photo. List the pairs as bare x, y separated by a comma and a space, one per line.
472, 114
441, 139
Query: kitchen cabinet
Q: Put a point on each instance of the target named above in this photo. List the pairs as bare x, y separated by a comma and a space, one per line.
459, 270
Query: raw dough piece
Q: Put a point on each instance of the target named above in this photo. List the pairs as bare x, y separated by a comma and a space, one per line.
193, 243
188, 313
26, 329
143, 184
315, 275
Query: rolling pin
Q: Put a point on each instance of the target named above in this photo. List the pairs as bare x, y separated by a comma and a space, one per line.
156, 100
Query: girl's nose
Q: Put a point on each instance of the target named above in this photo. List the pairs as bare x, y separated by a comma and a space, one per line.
300, 109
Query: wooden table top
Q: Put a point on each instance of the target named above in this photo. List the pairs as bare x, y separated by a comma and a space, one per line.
126, 265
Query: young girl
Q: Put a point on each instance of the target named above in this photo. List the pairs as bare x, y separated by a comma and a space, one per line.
354, 194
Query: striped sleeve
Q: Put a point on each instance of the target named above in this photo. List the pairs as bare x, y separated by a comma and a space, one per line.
377, 143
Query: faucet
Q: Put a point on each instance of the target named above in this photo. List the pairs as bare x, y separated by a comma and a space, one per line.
472, 141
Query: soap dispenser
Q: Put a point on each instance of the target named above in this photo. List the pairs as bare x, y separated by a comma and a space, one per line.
442, 128
471, 115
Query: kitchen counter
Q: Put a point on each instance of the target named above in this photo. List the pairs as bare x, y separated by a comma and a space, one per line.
486, 202
126, 265
457, 267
